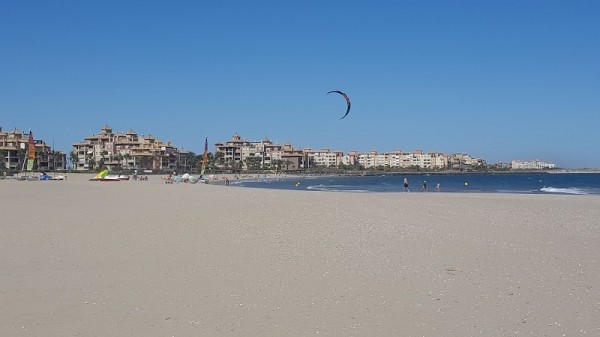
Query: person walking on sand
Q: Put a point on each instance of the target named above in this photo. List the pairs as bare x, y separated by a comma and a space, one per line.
406, 189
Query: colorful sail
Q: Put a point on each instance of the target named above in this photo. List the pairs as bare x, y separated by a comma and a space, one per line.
30, 152
102, 174
204, 157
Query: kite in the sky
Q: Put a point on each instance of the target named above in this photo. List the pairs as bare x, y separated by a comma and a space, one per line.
347, 101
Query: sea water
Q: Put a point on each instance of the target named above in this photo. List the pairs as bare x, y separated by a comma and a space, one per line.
531, 183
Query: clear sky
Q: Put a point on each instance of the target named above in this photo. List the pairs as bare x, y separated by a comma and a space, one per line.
499, 80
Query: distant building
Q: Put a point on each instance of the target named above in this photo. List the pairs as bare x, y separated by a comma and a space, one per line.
13, 153
463, 161
350, 159
500, 166
240, 154
127, 151
531, 165
323, 158
291, 159
399, 159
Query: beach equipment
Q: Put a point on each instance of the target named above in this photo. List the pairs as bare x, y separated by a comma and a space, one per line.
204, 157
101, 175
30, 157
30, 152
105, 175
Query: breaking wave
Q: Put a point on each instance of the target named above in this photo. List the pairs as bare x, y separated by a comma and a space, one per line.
567, 190
333, 188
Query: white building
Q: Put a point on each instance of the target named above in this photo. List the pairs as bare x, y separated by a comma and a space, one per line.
531, 165
324, 157
263, 154
399, 159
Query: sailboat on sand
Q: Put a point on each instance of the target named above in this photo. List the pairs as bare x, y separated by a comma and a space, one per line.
29, 160
105, 175
204, 158
30, 152
203, 167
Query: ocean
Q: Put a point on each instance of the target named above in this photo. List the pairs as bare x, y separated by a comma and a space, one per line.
530, 183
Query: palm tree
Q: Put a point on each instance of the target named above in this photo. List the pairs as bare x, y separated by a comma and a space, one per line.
103, 154
237, 166
277, 164
253, 163
225, 164
210, 161
192, 161
74, 157
91, 164
3, 159
219, 158
89, 159
119, 159
127, 157
100, 164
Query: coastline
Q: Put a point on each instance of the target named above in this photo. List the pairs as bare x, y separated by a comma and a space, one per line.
152, 259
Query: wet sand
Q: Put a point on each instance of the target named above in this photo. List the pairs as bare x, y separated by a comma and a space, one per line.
134, 258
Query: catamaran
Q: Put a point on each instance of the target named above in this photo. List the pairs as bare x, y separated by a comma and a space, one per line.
30, 152
28, 164
204, 158
194, 180
105, 175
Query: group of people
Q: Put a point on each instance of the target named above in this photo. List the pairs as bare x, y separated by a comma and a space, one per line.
137, 177
423, 188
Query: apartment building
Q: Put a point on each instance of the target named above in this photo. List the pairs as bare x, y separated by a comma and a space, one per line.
250, 155
243, 154
13, 153
399, 159
323, 158
531, 165
456, 160
350, 159
126, 151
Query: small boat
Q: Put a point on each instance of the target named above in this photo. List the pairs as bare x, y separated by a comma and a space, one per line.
105, 176
110, 178
30, 160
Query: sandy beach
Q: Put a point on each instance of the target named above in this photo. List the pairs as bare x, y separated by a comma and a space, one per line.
81, 258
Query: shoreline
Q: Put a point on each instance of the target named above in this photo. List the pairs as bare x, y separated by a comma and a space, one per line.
282, 175
450, 183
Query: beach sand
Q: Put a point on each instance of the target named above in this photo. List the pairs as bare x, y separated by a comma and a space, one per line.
81, 258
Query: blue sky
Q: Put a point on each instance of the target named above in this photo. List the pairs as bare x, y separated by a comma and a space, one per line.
500, 80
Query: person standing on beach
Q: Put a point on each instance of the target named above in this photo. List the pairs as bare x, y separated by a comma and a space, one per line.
424, 188
437, 187
406, 189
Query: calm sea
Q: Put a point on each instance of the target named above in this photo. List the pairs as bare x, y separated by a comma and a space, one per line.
539, 183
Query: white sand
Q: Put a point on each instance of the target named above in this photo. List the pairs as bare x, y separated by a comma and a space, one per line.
151, 259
